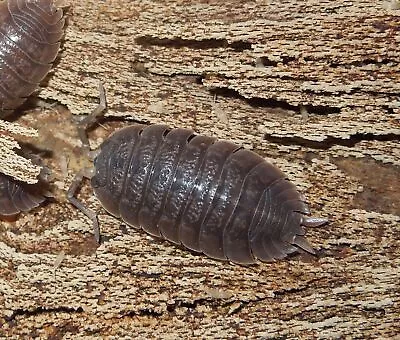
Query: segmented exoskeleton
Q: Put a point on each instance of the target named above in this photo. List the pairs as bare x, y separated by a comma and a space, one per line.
17, 196
212, 196
30, 33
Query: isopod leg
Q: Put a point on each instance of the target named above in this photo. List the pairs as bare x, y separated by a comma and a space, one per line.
92, 118
76, 182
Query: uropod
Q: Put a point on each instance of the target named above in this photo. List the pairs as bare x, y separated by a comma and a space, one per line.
209, 195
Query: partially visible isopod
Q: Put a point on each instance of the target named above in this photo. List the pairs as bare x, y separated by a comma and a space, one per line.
30, 33
17, 196
209, 195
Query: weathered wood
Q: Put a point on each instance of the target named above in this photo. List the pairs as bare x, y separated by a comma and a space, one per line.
313, 86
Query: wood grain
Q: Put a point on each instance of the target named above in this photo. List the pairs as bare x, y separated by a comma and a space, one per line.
312, 86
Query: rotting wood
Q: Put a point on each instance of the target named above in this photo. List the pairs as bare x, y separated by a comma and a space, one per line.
313, 86
12, 163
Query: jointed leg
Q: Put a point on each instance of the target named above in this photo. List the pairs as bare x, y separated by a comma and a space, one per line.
92, 118
76, 182
83, 125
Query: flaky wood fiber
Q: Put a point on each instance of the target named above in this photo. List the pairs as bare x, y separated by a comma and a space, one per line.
313, 86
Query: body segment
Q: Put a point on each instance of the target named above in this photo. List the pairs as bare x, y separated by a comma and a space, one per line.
211, 196
16, 196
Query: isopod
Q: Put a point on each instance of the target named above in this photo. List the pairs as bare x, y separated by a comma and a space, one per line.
30, 33
17, 196
211, 196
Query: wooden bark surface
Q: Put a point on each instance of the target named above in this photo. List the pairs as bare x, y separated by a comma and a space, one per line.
311, 85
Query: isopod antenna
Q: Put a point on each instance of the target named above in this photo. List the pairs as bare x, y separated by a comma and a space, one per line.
83, 126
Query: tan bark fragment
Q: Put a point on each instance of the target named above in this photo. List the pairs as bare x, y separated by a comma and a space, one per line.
311, 85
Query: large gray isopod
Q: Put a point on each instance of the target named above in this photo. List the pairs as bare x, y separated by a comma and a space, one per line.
209, 195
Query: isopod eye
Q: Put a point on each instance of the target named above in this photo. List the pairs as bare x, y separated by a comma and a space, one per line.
97, 182
99, 178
